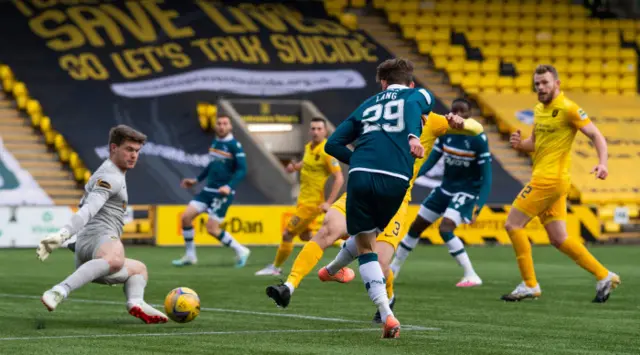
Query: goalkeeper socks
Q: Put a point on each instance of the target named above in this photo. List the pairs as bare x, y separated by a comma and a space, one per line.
522, 247
345, 256
189, 244
86, 273
227, 239
573, 248
304, 263
406, 246
284, 250
374, 282
134, 290
456, 249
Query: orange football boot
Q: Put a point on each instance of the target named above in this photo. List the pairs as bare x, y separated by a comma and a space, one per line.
343, 275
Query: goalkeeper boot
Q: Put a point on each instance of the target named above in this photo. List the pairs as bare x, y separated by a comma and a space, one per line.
52, 298
185, 261
147, 313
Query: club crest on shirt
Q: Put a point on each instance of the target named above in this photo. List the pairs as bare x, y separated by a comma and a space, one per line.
104, 184
317, 157
554, 113
582, 114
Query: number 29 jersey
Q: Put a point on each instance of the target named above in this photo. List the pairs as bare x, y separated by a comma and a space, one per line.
383, 124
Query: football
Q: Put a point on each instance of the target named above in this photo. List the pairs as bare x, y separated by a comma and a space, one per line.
182, 305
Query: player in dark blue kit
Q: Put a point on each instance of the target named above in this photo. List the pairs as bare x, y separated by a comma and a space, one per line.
225, 170
465, 186
385, 132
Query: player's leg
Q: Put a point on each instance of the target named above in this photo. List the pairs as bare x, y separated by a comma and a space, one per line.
298, 224
333, 228
532, 201
386, 248
572, 246
456, 249
430, 210
198, 205
98, 257
217, 212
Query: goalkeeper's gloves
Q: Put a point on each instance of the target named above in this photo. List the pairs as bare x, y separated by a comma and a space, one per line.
51, 242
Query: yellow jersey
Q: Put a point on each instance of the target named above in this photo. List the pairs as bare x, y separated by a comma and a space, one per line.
437, 125
316, 168
555, 127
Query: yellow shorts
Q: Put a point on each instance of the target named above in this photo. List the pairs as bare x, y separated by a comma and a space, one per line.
395, 230
547, 200
304, 216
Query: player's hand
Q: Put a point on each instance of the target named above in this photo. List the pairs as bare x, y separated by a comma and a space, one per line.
224, 190
600, 171
290, 168
455, 121
51, 242
187, 183
515, 139
417, 150
325, 206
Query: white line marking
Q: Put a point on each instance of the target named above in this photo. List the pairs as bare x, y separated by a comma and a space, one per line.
127, 335
237, 311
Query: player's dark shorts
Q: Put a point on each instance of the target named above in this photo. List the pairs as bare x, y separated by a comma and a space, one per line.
456, 206
372, 200
214, 203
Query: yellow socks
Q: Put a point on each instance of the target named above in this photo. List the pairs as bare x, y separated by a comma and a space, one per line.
389, 284
573, 248
284, 250
522, 247
304, 263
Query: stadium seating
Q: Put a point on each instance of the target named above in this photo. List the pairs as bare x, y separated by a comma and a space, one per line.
472, 40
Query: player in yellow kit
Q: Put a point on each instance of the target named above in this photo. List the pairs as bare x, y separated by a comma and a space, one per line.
556, 122
315, 169
334, 225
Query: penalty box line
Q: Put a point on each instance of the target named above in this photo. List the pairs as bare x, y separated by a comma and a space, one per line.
237, 311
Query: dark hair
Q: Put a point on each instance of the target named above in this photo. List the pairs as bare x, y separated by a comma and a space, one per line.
547, 68
461, 100
122, 133
395, 71
319, 119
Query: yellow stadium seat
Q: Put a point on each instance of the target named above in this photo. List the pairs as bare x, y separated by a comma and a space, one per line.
442, 35
493, 23
628, 83
492, 36
577, 24
490, 66
508, 51
130, 228
611, 38
578, 37
64, 155
35, 120
525, 66
527, 37
576, 82
45, 125
59, 142
593, 67
528, 9
440, 61
488, 81
542, 52
19, 89
439, 50
629, 35
86, 177
593, 84
358, 3
560, 51
394, 17
425, 47
429, 22
524, 52
79, 173
627, 68
477, 8
494, 8
350, 21
510, 24
562, 66
204, 122
627, 24
457, 52
611, 53
392, 6
455, 78
528, 22
561, 11
443, 6
577, 51
5, 72
561, 37
511, 8
144, 227
610, 85
628, 53
578, 11
475, 36
7, 84
470, 80
611, 227
610, 24
595, 36
509, 37
611, 67
410, 6
505, 82
455, 65
523, 81
544, 23
491, 52
74, 160
471, 66
476, 22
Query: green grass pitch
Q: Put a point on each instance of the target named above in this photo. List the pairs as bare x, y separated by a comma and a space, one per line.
238, 318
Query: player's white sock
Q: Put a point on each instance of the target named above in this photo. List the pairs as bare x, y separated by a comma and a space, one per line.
189, 243
406, 246
290, 286
227, 239
83, 275
134, 290
456, 249
374, 282
346, 256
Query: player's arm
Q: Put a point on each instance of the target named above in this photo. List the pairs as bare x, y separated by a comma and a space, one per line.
484, 160
524, 145
96, 198
579, 119
240, 168
338, 180
439, 126
344, 134
435, 155
203, 174
413, 112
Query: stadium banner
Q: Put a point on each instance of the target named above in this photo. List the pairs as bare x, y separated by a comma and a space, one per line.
95, 64
617, 117
263, 225
17, 186
25, 226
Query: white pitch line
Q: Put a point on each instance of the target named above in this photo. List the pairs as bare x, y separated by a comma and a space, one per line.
172, 334
237, 311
